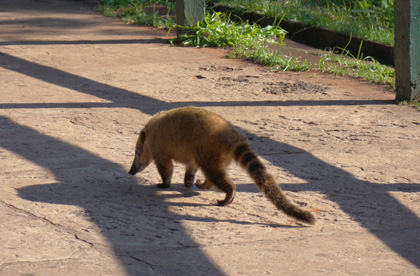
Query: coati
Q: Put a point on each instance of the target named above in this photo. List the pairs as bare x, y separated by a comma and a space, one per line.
202, 139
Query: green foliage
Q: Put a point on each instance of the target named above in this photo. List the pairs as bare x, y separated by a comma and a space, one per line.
248, 41
218, 30
370, 19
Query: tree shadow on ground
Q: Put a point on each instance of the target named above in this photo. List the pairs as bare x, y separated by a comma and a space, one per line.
136, 221
370, 204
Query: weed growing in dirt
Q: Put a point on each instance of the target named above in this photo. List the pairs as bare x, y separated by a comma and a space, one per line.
366, 68
415, 105
273, 59
247, 41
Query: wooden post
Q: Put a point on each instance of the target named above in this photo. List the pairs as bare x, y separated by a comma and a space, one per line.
407, 49
189, 12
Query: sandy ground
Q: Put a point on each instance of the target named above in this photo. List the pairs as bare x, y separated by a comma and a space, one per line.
75, 89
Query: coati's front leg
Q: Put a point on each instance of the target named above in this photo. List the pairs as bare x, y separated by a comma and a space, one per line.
165, 169
190, 175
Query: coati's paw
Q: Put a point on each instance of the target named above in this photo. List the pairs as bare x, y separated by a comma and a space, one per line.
189, 181
229, 198
223, 202
163, 186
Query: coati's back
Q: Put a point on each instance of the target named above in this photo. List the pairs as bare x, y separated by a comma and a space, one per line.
179, 132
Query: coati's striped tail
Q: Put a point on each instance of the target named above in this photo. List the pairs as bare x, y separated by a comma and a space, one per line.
266, 183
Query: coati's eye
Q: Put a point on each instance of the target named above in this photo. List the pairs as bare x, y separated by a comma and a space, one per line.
142, 136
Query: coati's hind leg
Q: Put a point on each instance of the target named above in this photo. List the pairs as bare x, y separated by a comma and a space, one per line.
190, 174
220, 179
165, 169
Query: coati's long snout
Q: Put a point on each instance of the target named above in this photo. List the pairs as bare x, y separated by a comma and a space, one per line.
133, 170
201, 139
142, 157
137, 167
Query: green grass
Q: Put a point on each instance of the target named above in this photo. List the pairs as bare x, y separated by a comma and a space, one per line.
369, 19
366, 68
133, 11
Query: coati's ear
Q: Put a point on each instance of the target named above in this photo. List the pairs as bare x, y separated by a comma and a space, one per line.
142, 136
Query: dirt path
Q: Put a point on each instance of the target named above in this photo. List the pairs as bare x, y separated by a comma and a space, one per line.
76, 87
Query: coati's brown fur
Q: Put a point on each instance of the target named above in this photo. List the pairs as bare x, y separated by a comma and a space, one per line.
202, 139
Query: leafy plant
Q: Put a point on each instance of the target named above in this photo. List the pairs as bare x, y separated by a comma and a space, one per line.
248, 41
218, 30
